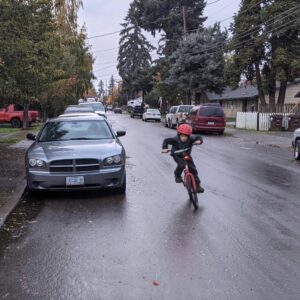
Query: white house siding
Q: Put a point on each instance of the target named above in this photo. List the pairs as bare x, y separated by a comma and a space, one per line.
291, 91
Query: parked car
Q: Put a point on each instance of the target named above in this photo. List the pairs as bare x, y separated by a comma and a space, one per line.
78, 153
177, 114
207, 119
168, 120
15, 117
118, 110
296, 144
136, 111
109, 107
151, 115
98, 107
71, 109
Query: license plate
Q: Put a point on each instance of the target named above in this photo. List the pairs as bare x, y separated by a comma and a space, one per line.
211, 123
75, 181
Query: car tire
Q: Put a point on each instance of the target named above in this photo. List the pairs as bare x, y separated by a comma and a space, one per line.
122, 189
297, 150
221, 133
15, 123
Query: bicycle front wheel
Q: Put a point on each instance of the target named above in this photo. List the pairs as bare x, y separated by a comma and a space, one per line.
192, 192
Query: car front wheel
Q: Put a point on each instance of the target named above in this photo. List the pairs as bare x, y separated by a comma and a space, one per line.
297, 150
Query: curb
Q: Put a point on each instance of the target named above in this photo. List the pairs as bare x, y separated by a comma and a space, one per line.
12, 202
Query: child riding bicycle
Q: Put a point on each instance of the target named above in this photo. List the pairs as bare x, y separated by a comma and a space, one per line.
183, 140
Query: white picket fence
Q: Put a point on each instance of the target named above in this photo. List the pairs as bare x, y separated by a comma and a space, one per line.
258, 121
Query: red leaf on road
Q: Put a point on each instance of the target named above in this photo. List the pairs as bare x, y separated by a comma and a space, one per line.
155, 283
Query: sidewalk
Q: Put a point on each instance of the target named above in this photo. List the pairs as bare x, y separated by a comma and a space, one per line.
280, 139
12, 171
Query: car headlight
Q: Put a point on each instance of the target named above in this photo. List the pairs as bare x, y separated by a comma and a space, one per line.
113, 160
36, 163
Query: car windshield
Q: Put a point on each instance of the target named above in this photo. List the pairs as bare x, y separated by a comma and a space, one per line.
96, 106
210, 111
75, 130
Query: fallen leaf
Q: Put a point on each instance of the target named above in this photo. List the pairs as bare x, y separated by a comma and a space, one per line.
155, 283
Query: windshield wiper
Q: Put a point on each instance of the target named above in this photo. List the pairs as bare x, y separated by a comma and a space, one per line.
83, 139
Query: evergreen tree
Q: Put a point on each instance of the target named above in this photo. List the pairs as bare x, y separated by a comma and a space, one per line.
168, 16
194, 68
134, 54
101, 89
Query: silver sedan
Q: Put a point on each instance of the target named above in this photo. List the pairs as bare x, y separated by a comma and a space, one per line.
81, 152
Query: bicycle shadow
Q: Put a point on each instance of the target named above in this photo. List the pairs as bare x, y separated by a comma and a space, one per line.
183, 227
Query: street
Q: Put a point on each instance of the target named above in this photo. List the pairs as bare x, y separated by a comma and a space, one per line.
242, 243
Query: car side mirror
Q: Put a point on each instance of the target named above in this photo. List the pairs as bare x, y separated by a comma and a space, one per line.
31, 137
120, 133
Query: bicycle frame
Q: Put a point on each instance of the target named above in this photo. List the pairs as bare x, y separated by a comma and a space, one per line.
187, 173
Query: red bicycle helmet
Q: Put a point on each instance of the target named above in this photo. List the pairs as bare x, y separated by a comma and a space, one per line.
185, 129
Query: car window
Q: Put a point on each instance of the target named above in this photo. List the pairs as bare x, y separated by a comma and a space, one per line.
96, 106
155, 111
173, 110
194, 112
75, 130
211, 111
186, 109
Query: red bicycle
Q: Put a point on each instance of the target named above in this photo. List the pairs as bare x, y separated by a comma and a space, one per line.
189, 180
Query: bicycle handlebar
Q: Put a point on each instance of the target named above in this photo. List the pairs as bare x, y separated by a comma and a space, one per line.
180, 151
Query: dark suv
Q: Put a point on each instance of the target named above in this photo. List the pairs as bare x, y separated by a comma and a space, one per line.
207, 118
137, 111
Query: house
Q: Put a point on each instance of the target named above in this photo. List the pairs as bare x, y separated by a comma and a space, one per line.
242, 99
245, 99
292, 95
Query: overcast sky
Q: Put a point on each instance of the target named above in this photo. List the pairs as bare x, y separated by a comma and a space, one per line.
102, 16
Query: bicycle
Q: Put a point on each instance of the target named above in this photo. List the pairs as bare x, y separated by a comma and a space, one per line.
189, 181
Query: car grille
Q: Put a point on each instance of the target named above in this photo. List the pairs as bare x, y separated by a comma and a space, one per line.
74, 165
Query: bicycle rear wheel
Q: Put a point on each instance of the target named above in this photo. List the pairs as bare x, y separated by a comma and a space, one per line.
192, 193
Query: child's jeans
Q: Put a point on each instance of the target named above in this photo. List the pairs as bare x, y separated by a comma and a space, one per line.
181, 165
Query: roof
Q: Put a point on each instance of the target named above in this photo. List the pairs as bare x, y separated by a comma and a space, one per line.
78, 117
230, 94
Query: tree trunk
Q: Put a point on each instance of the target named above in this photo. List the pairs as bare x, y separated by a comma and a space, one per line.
282, 92
272, 91
26, 115
261, 93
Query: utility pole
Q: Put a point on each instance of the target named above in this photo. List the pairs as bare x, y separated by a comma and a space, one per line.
184, 22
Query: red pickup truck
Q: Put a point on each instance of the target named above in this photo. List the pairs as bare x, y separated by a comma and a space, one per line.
15, 117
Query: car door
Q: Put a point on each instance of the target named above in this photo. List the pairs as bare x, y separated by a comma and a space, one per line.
2, 115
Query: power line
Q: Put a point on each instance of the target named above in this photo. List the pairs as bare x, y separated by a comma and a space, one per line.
105, 50
218, 46
258, 28
213, 2
104, 34
237, 45
105, 68
104, 63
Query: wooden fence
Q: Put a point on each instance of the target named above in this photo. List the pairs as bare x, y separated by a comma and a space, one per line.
291, 108
259, 121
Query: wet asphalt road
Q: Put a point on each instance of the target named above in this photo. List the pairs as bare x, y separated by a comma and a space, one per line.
243, 243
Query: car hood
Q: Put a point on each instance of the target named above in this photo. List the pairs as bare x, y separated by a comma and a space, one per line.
50, 151
100, 112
